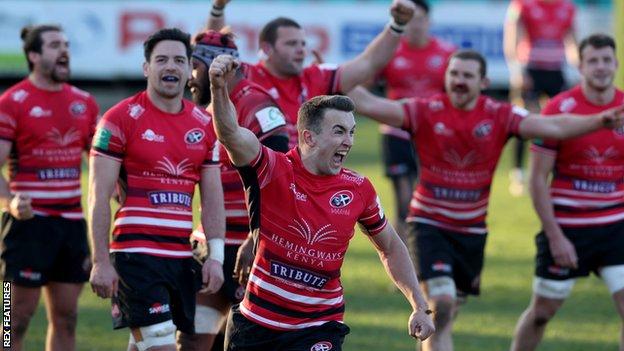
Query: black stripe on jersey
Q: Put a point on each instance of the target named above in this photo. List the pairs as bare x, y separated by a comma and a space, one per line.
72, 206
376, 225
236, 228
587, 210
249, 176
152, 237
267, 305
108, 152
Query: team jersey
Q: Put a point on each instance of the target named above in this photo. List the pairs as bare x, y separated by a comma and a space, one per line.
458, 152
546, 24
257, 111
303, 223
49, 130
415, 72
587, 188
290, 93
161, 156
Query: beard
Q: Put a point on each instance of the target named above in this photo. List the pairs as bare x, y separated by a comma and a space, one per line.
60, 77
201, 96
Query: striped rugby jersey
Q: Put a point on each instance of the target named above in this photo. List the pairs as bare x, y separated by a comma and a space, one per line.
458, 151
302, 224
49, 131
161, 158
587, 188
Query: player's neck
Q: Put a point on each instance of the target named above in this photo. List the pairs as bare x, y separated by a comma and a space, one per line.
597, 97
274, 71
44, 83
417, 41
167, 105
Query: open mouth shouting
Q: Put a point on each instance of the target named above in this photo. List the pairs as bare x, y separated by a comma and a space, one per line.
339, 158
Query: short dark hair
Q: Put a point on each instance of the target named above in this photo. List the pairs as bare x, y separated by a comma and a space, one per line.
312, 112
33, 42
269, 31
423, 5
597, 41
167, 34
474, 55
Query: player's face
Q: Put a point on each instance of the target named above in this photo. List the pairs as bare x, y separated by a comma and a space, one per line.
463, 82
335, 141
418, 26
53, 61
598, 67
199, 83
288, 53
168, 69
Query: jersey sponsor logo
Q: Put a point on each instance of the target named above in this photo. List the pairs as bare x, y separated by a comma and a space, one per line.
298, 275
453, 157
436, 105
598, 157
435, 61
341, 199
159, 308
298, 196
322, 346
401, 63
150, 135
270, 118
135, 110
559, 271
19, 95
38, 112
440, 129
455, 194
305, 254
72, 135
322, 234
102, 138
58, 173
619, 132
483, 129
594, 186
167, 166
353, 177
201, 116
159, 198
194, 136
77, 108
440, 266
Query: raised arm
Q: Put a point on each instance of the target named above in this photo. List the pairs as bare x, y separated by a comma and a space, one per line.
395, 258
213, 222
241, 144
103, 175
379, 52
561, 248
566, 126
380, 109
216, 18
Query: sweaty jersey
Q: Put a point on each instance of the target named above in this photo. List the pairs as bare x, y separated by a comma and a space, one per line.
161, 156
257, 111
546, 24
458, 152
303, 223
290, 93
49, 130
587, 188
415, 72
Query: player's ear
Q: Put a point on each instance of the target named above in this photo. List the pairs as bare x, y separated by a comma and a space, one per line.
145, 69
309, 138
265, 48
485, 83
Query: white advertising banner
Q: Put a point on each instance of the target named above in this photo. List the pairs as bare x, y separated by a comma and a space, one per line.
106, 36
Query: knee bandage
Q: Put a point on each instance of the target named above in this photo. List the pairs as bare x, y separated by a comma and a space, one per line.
153, 335
439, 286
553, 289
207, 320
613, 277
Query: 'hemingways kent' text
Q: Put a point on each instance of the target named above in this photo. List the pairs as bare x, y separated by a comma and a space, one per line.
6, 315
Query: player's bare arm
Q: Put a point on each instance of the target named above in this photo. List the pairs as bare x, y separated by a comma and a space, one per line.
103, 175
513, 31
18, 205
216, 18
241, 144
380, 109
213, 222
561, 248
566, 126
379, 52
395, 258
244, 260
